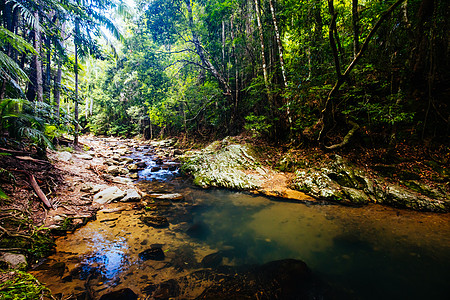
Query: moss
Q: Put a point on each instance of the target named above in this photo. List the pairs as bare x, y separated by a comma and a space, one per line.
21, 285
42, 244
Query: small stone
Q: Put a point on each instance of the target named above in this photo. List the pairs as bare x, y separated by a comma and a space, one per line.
63, 156
132, 195
123, 294
155, 169
122, 180
84, 156
133, 168
155, 221
172, 197
212, 260
134, 176
115, 170
126, 160
141, 164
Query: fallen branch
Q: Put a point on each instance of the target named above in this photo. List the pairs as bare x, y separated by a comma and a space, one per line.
347, 137
14, 151
39, 192
36, 188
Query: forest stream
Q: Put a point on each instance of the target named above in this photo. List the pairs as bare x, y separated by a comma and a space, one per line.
215, 236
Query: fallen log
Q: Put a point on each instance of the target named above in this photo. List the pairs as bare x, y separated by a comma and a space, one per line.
39, 192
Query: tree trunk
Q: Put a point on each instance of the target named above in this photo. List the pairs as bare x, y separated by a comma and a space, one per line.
37, 58
203, 56
57, 89
280, 52
263, 55
47, 81
58, 76
327, 112
75, 140
236, 88
355, 22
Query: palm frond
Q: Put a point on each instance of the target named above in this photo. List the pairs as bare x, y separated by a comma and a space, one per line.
108, 24
26, 13
123, 9
36, 136
16, 41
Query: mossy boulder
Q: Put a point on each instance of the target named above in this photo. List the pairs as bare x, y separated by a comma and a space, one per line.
224, 164
343, 182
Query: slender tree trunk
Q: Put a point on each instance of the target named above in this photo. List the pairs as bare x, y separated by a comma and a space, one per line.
236, 89
58, 76
47, 81
37, 58
355, 21
280, 53
57, 89
75, 140
263, 55
223, 48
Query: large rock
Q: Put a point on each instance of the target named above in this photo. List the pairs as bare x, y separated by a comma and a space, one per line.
342, 182
14, 261
223, 164
108, 195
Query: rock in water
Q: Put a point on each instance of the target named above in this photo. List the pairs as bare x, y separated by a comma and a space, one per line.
172, 197
108, 195
132, 195
155, 221
123, 294
152, 254
212, 260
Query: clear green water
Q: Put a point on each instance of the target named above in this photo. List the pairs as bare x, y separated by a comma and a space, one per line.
371, 252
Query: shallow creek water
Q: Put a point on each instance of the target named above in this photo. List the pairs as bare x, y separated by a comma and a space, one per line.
370, 252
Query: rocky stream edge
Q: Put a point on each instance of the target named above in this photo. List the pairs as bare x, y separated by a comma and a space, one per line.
230, 165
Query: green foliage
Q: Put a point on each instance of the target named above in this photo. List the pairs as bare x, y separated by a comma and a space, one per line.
21, 285
257, 125
42, 243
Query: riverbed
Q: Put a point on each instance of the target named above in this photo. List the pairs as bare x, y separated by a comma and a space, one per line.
369, 252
